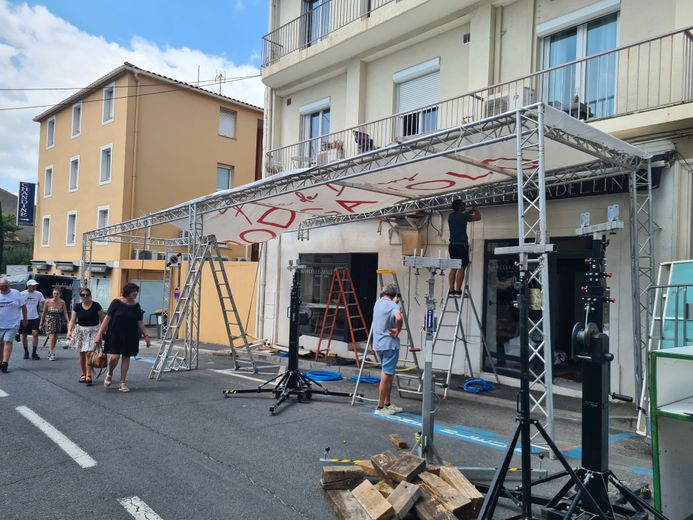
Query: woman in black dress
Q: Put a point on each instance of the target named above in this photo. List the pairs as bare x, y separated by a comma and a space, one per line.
123, 324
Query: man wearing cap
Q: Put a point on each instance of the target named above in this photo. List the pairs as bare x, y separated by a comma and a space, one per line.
12, 311
387, 324
459, 242
34, 302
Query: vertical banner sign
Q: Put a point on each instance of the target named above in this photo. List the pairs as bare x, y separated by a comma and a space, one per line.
25, 204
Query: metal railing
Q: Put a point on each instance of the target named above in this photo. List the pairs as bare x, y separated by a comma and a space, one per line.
314, 26
648, 74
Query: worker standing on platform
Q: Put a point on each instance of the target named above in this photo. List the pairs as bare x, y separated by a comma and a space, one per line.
387, 324
459, 242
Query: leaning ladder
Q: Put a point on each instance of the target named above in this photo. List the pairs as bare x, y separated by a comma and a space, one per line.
458, 334
408, 375
169, 361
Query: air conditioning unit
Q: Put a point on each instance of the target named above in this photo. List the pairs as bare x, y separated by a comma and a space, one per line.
142, 254
508, 101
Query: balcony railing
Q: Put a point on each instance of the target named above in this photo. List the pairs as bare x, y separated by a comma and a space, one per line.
648, 74
314, 25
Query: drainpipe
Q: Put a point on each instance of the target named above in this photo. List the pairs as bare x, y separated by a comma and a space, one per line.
134, 149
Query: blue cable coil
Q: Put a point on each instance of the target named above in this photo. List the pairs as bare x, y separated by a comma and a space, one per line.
476, 386
365, 379
323, 375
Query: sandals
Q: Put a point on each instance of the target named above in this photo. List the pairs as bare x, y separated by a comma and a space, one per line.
88, 381
123, 387
83, 379
107, 381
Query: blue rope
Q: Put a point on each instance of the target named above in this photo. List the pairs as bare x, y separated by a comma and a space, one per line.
323, 375
365, 379
476, 386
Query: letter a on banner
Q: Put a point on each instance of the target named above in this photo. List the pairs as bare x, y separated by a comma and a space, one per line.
25, 204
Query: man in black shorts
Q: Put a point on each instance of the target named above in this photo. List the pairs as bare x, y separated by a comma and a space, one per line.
459, 242
34, 304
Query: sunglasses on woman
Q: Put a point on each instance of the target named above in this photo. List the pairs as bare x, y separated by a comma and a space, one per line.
84, 295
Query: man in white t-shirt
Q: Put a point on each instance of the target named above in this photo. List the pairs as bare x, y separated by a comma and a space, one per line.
12, 312
34, 304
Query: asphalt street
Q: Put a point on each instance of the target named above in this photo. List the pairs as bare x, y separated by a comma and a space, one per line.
177, 449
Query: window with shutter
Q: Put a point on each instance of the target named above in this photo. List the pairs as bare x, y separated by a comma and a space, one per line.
418, 87
227, 123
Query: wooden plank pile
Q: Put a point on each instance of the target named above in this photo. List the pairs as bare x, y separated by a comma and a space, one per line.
390, 486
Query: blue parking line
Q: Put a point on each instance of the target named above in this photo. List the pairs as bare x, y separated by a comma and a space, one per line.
146, 359
576, 453
640, 470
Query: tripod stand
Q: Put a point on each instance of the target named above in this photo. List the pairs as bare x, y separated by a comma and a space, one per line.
291, 382
522, 432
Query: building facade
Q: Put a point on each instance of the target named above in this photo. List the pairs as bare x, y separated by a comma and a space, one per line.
131, 143
345, 77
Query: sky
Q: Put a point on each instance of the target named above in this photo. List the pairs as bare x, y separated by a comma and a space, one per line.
59, 43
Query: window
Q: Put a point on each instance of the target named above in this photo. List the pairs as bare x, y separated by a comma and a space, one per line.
224, 177
50, 132
315, 120
73, 181
77, 119
46, 231
102, 217
71, 228
415, 87
586, 90
316, 21
106, 164
108, 103
48, 181
227, 123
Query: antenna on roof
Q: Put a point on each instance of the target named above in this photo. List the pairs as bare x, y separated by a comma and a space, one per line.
220, 77
198, 75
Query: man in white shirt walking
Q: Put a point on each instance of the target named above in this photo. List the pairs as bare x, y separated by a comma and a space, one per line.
12, 311
34, 303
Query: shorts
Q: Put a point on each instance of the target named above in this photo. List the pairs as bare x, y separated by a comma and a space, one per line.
388, 360
8, 334
33, 325
459, 252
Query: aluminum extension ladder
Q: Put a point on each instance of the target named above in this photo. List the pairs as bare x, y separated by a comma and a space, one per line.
408, 375
458, 334
169, 361
343, 293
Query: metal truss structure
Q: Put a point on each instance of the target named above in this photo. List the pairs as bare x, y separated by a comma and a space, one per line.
527, 187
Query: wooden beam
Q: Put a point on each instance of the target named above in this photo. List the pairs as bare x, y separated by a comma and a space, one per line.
457, 480
345, 505
375, 504
398, 442
384, 488
444, 493
406, 467
404, 497
382, 462
341, 477
428, 509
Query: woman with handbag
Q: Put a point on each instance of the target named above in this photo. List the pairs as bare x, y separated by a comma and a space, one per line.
82, 330
124, 324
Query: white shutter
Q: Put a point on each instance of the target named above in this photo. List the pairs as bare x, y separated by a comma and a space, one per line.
418, 92
227, 123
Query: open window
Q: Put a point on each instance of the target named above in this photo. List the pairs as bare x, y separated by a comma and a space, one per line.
417, 87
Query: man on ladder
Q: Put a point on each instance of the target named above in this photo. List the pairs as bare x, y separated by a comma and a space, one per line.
459, 242
387, 324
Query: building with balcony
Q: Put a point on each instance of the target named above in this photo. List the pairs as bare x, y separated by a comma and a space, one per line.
347, 77
131, 143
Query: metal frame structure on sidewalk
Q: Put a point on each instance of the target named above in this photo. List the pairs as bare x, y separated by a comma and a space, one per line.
529, 127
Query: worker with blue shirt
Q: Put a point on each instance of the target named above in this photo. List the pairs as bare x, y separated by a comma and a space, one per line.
387, 324
459, 242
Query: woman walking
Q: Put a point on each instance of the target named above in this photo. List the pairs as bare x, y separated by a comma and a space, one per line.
82, 330
53, 310
123, 324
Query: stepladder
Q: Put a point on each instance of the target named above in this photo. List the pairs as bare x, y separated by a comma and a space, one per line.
186, 311
342, 297
450, 332
407, 378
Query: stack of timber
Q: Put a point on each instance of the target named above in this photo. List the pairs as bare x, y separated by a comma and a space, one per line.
399, 486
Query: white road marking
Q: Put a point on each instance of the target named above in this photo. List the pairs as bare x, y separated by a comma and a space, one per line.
78, 455
138, 508
232, 372
3, 394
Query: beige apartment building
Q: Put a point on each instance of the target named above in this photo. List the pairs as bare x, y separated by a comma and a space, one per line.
131, 143
344, 77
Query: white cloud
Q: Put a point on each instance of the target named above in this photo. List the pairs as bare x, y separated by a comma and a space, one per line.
39, 49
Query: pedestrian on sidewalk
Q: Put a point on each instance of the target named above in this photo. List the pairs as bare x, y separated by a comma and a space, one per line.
34, 307
54, 309
82, 331
387, 324
12, 312
122, 327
